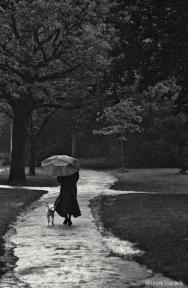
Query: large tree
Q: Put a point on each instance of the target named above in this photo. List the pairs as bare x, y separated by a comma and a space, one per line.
44, 46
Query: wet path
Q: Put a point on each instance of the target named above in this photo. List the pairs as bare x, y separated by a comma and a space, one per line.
71, 257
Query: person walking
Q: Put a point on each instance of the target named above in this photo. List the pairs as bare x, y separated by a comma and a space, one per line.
66, 204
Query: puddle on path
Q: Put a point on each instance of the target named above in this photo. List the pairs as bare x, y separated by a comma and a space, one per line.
76, 256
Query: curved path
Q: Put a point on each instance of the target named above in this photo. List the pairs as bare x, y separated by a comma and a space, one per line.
72, 257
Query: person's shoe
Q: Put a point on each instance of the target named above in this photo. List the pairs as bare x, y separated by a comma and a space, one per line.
65, 221
69, 222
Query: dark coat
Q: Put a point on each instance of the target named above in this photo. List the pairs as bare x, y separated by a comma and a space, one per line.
66, 202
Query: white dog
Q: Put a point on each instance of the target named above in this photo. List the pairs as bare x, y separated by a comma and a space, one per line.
50, 213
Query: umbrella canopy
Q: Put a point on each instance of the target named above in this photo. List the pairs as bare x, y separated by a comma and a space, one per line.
60, 165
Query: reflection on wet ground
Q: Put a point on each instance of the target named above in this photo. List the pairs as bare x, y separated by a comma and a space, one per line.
71, 257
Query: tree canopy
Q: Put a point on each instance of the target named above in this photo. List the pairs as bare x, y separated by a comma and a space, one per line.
44, 47
45, 42
152, 42
54, 54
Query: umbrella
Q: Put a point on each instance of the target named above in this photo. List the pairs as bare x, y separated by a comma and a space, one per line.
60, 165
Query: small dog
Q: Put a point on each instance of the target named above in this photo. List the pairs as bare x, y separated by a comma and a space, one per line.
50, 213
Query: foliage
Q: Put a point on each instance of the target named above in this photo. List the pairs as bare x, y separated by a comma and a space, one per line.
150, 52
151, 43
120, 118
44, 47
44, 42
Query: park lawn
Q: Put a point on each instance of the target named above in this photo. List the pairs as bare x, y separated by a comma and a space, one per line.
39, 180
14, 200
151, 180
157, 223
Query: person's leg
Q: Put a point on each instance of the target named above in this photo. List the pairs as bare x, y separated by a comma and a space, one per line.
52, 220
69, 220
66, 220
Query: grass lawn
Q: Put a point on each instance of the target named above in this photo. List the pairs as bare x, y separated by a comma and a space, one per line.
152, 180
39, 180
14, 200
157, 223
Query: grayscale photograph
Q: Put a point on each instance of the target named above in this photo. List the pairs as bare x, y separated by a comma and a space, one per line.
93, 144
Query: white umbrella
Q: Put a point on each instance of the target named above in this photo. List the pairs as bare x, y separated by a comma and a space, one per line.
60, 165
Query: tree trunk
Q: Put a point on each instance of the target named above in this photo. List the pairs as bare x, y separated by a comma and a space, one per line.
33, 146
17, 167
122, 153
11, 133
74, 145
183, 152
122, 158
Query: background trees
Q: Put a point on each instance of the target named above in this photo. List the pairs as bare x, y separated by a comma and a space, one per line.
44, 45
38, 121
152, 41
69, 54
150, 48
121, 119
